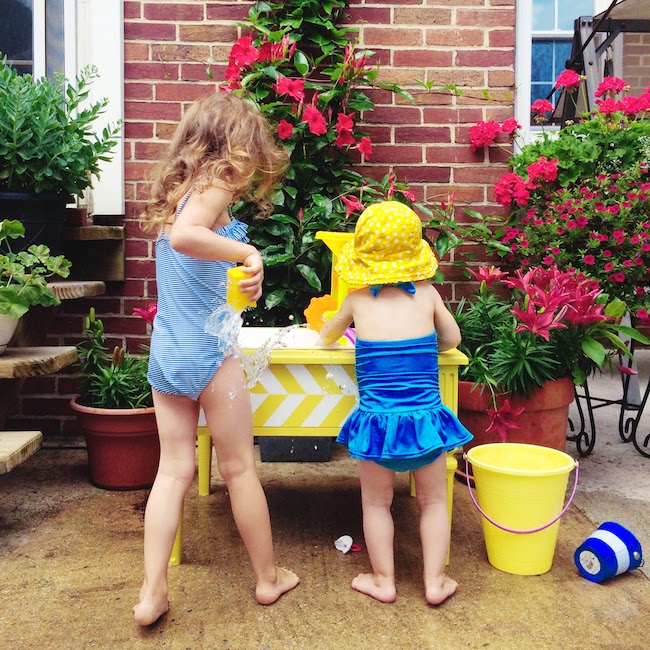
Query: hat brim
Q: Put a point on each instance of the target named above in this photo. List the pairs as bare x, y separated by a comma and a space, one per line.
357, 272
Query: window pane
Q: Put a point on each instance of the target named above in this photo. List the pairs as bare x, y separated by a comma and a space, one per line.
561, 54
542, 69
16, 33
543, 15
541, 91
54, 52
567, 12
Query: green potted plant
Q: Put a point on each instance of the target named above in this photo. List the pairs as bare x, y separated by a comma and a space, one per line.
307, 73
530, 337
23, 278
115, 411
48, 151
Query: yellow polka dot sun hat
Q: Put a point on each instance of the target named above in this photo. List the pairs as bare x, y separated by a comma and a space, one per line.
387, 248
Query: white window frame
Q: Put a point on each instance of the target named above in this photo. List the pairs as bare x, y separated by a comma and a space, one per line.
94, 35
523, 58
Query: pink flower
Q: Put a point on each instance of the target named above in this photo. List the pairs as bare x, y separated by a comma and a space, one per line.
568, 79
484, 134
148, 313
541, 106
609, 106
610, 86
243, 53
488, 274
510, 126
543, 170
284, 129
511, 189
344, 138
503, 419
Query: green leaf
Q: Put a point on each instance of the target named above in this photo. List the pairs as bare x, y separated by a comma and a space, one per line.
594, 350
301, 62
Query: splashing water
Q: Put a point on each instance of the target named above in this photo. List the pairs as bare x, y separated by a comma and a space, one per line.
255, 364
226, 323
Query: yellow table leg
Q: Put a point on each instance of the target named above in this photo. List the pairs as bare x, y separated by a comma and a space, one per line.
177, 549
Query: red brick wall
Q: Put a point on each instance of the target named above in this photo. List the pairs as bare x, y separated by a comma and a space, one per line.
636, 62
469, 43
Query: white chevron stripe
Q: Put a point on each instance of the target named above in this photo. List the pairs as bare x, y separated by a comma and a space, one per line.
304, 378
317, 415
270, 383
279, 416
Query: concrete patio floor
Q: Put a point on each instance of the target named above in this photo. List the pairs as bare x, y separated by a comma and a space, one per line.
71, 555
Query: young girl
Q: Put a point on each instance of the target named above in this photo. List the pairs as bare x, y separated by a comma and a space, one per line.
222, 151
400, 424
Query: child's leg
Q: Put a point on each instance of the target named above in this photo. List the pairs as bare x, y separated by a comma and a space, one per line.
431, 491
176, 418
378, 529
226, 402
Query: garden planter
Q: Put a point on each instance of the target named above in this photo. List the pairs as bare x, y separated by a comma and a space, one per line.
43, 216
543, 422
123, 446
7, 328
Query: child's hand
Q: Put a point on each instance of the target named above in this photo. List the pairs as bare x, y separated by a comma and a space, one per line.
253, 265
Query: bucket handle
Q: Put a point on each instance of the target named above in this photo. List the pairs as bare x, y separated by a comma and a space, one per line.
512, 530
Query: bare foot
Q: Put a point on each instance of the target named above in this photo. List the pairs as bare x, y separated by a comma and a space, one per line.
437, 591
285, 580
379, 588
147, 612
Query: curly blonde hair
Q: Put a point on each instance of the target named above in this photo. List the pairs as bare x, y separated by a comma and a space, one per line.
221, 139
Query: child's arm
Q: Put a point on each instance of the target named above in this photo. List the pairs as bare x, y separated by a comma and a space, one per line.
334, 328
192, 234
447, 330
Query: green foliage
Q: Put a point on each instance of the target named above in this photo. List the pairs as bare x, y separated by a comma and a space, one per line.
111, 381
522, 331
302, 41
46, 140
24, 275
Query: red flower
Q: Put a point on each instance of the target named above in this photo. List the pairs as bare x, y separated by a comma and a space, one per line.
284, 129
365, 147
484, 134
344, 138
352, 204
568, 79
315, 120
243, 53
292, 87
503, 419
541, 322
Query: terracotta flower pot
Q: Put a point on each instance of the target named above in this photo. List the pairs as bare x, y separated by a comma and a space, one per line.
543, 422
123, 446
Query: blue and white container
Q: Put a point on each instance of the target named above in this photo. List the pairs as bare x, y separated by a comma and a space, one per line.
611, 550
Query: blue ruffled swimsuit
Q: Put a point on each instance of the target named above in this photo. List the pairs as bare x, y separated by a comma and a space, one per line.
183, 357
401, 422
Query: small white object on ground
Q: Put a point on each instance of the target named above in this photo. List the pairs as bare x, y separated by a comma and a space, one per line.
343, 543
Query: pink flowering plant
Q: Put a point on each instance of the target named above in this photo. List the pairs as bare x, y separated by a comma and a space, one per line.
113, 379
534, 325
304, 69
578, 198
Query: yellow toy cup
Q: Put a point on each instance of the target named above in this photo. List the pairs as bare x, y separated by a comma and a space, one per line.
235, 297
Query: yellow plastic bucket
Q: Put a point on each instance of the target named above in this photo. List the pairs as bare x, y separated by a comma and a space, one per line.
521, 491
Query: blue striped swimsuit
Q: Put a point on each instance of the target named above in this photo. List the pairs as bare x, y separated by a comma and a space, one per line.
183, 357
